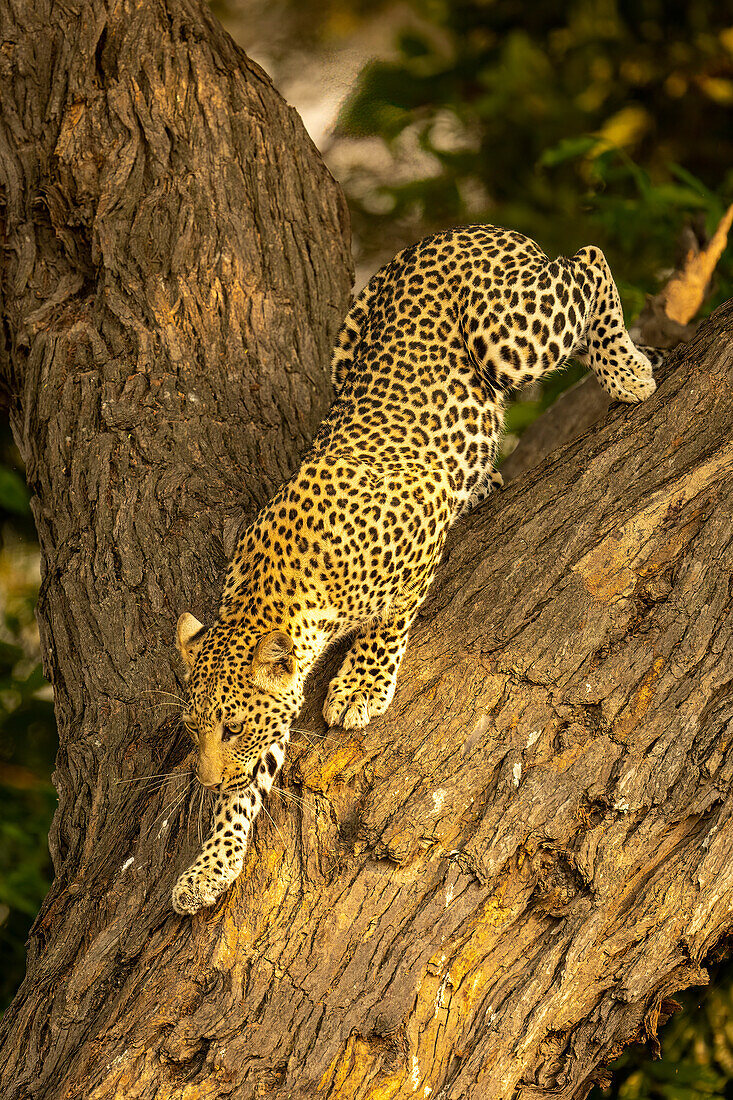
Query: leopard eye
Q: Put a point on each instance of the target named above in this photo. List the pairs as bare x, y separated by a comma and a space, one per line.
233, 729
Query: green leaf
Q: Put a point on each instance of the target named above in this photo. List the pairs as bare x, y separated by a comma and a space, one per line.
413, 45
568, 149
520, 415
14, 495
693, 182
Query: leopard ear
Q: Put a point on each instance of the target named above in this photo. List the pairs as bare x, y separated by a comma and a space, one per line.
189, 638
273, 663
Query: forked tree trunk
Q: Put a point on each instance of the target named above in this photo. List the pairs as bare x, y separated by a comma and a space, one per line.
492, 889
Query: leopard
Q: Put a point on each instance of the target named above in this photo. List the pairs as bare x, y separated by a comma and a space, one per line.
349, 545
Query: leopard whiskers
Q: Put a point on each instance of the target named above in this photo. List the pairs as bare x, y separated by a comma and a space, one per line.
193, 808
159, 775
151, 787
323, 737
204, 797
289, 797
191, 814
156, 706
170, 808
282, 838
170, 694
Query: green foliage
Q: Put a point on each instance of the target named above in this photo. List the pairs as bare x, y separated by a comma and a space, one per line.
28, 740
631, 211
589, 121
27, 729
510, 104
14, 495
26, 874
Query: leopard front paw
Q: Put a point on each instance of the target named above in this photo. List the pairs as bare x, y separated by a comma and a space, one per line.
640, 389
353, 705
632, 390
199, 887
631, 380
186, 897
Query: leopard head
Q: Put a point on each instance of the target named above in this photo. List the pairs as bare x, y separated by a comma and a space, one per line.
243, 692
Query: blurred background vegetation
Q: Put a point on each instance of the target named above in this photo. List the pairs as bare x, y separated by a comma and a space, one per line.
27, 728
594, 121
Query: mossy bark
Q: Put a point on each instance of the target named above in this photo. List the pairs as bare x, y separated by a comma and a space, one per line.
493, 888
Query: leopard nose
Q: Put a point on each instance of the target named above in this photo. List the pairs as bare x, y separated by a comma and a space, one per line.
208, 769
208, 778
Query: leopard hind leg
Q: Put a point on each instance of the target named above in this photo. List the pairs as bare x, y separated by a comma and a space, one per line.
623, 369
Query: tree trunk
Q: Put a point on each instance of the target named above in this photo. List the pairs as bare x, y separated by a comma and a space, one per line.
497, 885
176, 263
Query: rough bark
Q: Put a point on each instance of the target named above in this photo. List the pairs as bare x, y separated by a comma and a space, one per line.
176, 260
493, 888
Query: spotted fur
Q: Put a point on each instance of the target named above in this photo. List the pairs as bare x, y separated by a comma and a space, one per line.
350, 544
